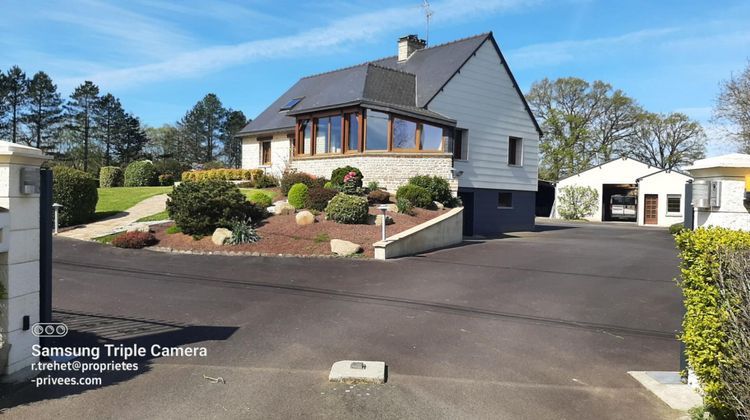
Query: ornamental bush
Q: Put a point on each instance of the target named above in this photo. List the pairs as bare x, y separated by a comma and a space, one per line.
676, 228
166, 180
171, 167
404, 206
705, 322
347, 209
200, 207
298, 195
418, 196
378, 197
260, 199
439, 188
141, 174
134, 240
338, 174
76, 191
111, 176
318, 198
577, 202
290, 178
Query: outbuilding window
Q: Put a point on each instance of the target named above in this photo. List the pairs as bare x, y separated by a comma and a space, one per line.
674, 203
505, 200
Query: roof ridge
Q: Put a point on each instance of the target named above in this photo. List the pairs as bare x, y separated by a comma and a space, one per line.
484, 34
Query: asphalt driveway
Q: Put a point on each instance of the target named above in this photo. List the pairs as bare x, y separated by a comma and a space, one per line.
535, 325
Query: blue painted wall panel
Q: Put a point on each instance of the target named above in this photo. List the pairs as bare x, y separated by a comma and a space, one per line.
491, 220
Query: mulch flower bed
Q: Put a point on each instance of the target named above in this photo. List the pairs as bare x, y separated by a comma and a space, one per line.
282, 235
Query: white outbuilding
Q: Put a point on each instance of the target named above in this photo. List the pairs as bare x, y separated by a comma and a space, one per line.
721, 191
653, 196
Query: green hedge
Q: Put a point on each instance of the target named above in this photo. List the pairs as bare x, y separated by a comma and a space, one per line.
200, 207
141, 174
76, 191
704, 324
111, 176
348, 209
298, 195
418, 196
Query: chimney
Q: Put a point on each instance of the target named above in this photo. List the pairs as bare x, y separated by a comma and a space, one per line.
407, 45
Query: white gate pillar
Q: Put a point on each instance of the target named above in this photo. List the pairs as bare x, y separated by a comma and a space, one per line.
19, 255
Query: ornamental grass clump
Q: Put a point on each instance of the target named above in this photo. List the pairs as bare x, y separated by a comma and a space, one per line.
347, 209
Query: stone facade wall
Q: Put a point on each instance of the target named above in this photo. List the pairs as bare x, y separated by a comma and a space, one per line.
390, 171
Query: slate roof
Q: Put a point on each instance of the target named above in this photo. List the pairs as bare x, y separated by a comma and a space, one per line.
386, 84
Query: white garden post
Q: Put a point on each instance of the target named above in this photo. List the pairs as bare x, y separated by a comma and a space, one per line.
384, 209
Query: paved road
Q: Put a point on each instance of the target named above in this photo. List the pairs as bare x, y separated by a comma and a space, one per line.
537, 325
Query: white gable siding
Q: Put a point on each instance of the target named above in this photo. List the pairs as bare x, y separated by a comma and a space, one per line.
482, 99
280, 154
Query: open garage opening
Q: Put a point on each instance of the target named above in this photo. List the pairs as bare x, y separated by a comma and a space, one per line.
619, 202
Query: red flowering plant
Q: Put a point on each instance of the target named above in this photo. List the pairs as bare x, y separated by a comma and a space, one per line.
352, 184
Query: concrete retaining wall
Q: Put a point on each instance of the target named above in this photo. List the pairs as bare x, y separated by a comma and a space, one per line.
442, 231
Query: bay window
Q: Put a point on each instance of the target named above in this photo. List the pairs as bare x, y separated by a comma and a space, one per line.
404, 134
322, 135
431, 138
353, 132
377, 131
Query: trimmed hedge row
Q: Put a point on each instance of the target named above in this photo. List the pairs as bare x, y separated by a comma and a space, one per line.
76, 191
111, 176
141, 174
225, 174
705, 322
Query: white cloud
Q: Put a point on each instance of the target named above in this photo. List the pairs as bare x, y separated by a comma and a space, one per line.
342, 31
556, 53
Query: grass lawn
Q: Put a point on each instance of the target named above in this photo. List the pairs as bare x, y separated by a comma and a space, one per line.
270, 193
162, 215
115, 200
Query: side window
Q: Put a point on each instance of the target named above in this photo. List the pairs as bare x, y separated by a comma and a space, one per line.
515, 151
505, 200
460, 144
674, 203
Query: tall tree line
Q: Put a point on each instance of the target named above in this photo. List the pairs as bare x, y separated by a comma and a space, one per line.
206, 134
587, 124
87, 131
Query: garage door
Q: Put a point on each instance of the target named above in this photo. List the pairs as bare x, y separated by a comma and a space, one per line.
651, 209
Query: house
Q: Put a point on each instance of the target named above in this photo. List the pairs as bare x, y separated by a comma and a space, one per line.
452, 110
721, 191
659, 193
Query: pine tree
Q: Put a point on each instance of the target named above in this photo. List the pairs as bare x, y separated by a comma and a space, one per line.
3, 104
109, 119
204, 126
235, 122
44, 112
16, 88
81, 110
130, 140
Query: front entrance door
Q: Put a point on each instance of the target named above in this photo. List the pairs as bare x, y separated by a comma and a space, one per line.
651, 209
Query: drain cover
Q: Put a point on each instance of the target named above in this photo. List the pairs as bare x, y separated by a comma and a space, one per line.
358, 372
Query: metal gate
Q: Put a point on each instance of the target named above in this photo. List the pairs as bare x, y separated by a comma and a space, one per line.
45, 246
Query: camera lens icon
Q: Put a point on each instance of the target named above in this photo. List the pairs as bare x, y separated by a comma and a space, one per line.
49, 329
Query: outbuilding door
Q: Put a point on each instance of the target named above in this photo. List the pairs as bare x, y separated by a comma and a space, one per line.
651, 209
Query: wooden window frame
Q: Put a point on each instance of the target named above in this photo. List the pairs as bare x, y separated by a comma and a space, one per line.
300, 137
347, 132
262, 141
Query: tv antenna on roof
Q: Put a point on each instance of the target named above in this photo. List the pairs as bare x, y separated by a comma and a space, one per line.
428, 17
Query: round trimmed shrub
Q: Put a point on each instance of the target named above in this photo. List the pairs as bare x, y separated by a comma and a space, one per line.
111, 176
347, 209
297, 195
418, 196
200, 207
141, 174
260, 199
338, 174
439, 188
318, 198
76, 191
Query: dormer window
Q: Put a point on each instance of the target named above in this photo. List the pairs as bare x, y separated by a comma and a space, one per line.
291, 104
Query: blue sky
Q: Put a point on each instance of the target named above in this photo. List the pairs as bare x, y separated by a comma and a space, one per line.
161, 56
